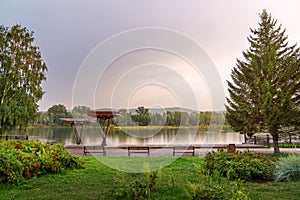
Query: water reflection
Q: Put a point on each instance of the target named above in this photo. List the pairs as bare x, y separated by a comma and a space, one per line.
91, 135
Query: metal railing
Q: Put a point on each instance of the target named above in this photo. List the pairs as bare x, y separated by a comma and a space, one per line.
267, 140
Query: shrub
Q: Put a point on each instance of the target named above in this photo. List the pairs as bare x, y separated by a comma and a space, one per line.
237, 165
27, 159
287, 168
212, 186
137, 189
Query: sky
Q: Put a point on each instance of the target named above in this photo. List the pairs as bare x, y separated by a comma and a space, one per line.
130, 53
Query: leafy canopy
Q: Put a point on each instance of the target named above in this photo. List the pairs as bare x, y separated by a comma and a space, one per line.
56, 112
22, 71
80, 111
142, 117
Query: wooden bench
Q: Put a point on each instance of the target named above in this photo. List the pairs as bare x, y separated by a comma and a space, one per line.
138, 149
94, 150
14, 137
184, 150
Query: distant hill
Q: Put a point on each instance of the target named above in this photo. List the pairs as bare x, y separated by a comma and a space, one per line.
155, 110
171, 109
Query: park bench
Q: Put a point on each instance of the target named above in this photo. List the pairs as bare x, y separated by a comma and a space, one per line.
15, 137
94, 150
183, 150
138, 150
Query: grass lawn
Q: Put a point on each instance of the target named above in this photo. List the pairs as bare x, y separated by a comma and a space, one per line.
97, 181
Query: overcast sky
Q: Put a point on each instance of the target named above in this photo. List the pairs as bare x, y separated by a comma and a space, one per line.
69, 31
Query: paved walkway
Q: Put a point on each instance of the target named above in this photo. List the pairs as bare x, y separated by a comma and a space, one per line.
78, 150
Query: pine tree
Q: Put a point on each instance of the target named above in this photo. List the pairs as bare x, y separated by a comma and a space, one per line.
264, 92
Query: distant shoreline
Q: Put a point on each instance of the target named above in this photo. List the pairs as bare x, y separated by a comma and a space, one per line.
114, 127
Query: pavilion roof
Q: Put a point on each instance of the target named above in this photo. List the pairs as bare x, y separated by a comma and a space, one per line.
105, 114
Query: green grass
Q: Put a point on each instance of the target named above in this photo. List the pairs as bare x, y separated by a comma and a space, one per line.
273, 190
98, 181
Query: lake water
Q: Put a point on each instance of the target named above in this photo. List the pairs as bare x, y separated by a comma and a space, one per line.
137, 136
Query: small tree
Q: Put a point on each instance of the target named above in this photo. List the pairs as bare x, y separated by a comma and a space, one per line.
80, 111
142, 117
264, 92
56, 112
22, 71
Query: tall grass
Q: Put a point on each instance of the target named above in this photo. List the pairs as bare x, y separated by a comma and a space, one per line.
287, 168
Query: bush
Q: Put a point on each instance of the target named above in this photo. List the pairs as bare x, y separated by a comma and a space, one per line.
287, 168
27, 159
212, 186
137, 189
237, 165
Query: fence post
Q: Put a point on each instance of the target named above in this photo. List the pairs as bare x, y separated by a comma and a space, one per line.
245, 138
6, 137
268, 141
254, 139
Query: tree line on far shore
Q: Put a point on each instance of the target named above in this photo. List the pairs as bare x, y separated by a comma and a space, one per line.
140, 117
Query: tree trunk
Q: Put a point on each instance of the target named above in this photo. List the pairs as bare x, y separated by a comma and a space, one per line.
290, 138
275, 142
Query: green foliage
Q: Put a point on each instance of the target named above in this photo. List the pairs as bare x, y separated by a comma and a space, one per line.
212, 186
273, 190
264, 94
22, 71
204, 185
244, 166
289, 145
138, 188
56, 112
42, 118
80, 111
98, 180
173, 118
170, 118
27, 159
123, 120
142, 118
60, 111
287, 168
